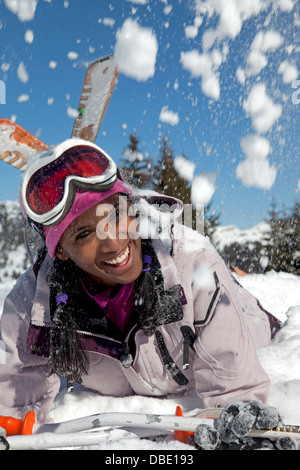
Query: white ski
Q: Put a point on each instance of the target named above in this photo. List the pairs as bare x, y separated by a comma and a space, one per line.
99, 83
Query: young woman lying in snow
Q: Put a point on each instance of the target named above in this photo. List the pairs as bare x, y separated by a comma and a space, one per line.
116, 311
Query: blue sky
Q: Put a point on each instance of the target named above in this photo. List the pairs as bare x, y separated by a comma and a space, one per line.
224, 70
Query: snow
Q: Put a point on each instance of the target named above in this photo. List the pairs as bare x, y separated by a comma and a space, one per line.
227, 234
288, 71
107, 21
29, 36
132, 155
184, 167
191, 31
255, 146
23, 97
205, 66
258, 173
5, 67
278, 292
22, 73
72, 55
202, 277
135, 51
262, 110
203, 188
171, 117
256, 170
139, 2
24, 9
52, 64
266, 41
72, 112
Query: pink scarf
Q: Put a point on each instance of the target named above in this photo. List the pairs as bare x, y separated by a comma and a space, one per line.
118, 308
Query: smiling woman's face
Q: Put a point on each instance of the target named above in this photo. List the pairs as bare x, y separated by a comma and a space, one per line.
111, 257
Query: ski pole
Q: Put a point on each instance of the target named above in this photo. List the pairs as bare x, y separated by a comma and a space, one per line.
49, 440
156, 421
146, 421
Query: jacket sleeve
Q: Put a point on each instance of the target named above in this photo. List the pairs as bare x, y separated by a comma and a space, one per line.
24, 381
226, 365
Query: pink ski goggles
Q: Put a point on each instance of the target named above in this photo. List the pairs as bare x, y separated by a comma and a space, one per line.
50, 184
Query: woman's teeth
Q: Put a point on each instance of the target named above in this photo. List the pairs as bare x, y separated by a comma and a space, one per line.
119, 259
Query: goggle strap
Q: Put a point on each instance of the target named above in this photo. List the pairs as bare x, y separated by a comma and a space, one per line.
36, 226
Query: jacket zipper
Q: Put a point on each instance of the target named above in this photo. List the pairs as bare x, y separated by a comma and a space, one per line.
189, 338
124, 356
212, 302
168, 361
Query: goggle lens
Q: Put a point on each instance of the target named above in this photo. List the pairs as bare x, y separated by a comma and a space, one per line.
45, 188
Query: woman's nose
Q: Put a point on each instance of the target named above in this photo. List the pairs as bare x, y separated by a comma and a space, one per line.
109, 241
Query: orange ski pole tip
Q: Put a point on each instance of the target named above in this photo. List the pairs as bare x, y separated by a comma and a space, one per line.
15, 426
181, 436
28, 423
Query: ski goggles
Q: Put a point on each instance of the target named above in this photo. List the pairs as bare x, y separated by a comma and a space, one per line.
50, 184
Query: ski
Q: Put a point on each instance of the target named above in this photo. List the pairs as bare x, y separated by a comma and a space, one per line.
18, 145
98, 86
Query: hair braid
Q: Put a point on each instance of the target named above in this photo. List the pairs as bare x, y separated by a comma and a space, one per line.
149, 288
67, 355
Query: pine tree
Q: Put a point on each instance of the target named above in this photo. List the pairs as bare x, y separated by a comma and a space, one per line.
283, 241
167, 181
135, 168
211, 221
294, 226
12, 225
272, 246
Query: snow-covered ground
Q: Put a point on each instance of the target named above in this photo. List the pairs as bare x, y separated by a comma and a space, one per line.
225, 235
278, 293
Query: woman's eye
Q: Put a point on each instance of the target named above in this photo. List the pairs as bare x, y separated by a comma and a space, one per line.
83, 234
115, 216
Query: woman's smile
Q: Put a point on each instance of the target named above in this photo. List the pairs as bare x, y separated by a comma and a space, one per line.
119, 260
120, 263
